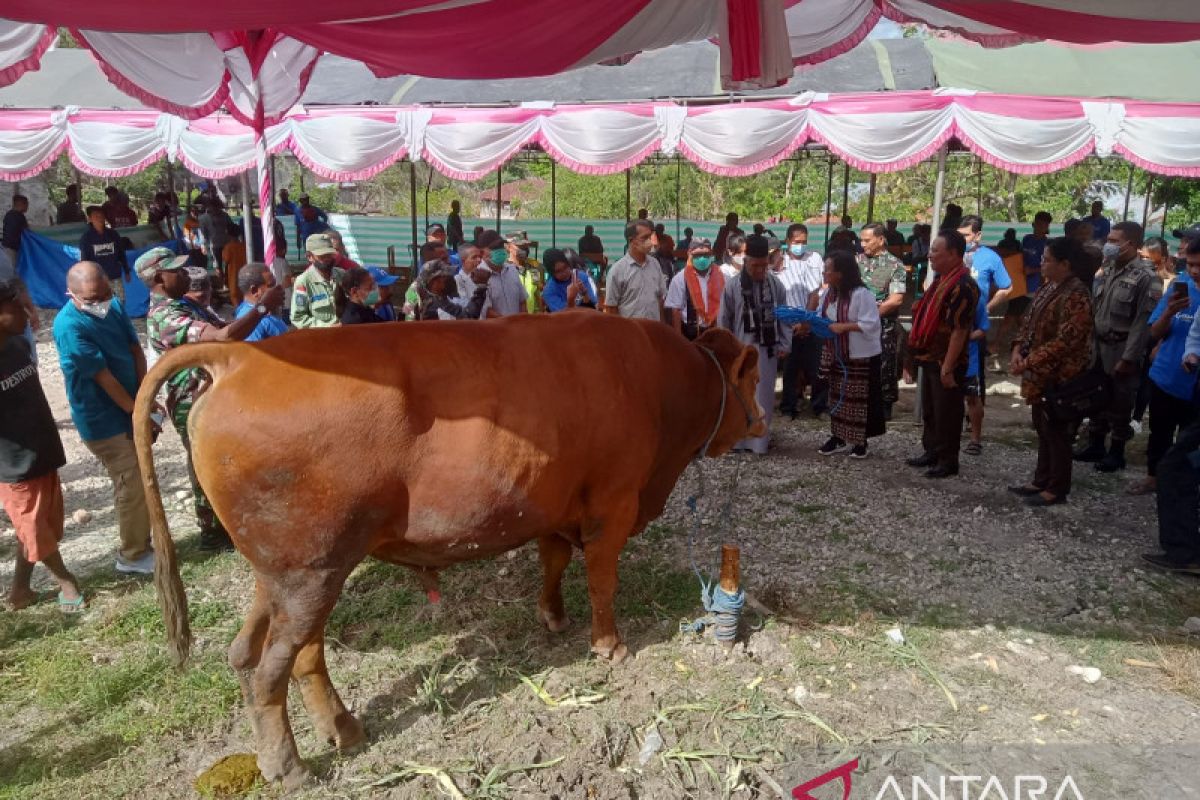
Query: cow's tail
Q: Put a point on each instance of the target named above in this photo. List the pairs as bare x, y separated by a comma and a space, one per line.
171, 596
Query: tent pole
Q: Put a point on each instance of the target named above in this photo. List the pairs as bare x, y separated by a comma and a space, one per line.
412, 208
979, 186
274, 185
1146, 205
553, 204
499, 197
1167, 187
939, 187
247, 226
845, 189
626, 196
871, 199
428, 184
828, 196
1128, 192
678, 181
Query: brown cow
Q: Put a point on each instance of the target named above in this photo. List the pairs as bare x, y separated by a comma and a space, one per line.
322, 447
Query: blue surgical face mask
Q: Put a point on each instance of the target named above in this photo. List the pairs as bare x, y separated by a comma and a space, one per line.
797, 249
702, 263
498, 257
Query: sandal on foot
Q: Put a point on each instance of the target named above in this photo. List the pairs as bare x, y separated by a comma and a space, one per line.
75, 606
974, 448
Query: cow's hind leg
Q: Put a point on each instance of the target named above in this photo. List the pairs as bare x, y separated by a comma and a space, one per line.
603, 540
555, 553
329, 715
246, 650
300, 603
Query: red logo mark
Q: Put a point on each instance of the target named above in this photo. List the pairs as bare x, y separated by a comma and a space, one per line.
842, 773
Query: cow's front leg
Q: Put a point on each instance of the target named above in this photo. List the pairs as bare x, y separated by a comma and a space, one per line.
601, 550
328, 713
555, 553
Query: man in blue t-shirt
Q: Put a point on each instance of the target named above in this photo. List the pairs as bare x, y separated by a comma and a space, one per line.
254, 281
103, 365
1100, 223
1172, 388
987, 269
1173, 375
1032, 248
102, 245
975, 389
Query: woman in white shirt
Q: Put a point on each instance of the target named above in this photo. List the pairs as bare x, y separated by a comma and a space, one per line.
851, 357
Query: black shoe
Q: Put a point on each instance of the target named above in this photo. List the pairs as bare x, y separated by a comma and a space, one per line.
1025, 491
1114, 460
833, 445
926, 460
1092, 453
215, 542
1165, 562
1037, 501
940, 471
859, 451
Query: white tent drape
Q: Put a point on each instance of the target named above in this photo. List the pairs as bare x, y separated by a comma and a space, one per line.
875, 132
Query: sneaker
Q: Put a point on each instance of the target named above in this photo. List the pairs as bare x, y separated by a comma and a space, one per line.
142, 566
1136, 425
859, 451
834, 445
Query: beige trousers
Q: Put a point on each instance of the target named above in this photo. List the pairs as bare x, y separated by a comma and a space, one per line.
120, 459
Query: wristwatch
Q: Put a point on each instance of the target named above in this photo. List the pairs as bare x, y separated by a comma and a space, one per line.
261, 309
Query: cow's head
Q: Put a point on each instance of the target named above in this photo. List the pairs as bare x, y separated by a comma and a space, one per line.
743, 416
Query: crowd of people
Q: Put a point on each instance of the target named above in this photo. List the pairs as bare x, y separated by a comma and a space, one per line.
1102, 319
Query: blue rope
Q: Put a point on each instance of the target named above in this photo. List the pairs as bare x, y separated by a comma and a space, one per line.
723, 610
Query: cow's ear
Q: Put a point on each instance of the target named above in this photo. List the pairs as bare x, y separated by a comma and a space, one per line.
744, 364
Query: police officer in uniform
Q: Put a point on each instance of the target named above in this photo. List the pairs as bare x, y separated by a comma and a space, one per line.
1127, 290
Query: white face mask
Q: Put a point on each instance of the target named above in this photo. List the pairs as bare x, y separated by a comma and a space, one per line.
739, 259
98, 310
1111, 251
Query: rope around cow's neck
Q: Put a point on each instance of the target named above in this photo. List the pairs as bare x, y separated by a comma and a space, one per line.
726, 388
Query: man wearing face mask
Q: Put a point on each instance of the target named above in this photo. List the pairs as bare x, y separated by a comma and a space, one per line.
883, 273
694, 296
637, 286
802, 276
103, 365
1127, 291
748, 310
314, 295
506, 293
181, 318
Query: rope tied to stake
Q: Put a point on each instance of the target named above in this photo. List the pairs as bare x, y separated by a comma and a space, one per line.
723, 611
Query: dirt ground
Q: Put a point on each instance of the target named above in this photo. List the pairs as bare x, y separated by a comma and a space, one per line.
930, 630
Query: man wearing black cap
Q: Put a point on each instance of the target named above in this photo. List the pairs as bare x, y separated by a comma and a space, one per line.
748, 310
694, 296
1185, 236
506, 293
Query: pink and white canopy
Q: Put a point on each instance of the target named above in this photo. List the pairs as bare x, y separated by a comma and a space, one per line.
172, 57
873, 132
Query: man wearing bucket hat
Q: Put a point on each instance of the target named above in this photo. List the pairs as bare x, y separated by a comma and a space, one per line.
174, 320
435, 281
313, 296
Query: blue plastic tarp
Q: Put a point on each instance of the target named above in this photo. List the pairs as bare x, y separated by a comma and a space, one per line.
43, 265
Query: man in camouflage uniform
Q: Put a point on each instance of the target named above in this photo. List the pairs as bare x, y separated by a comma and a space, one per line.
314, 295
1126, 293
176, 319
883, 273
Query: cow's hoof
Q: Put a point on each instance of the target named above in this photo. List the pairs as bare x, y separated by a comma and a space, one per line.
615, 654
556, 624
291, 772
350, 734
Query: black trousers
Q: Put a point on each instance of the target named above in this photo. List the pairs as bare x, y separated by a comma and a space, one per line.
1053, 472
805, 357
1179, 498
942, 413
1168, 414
